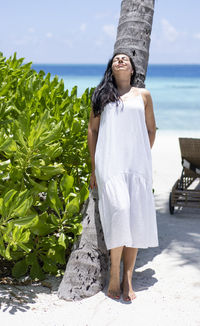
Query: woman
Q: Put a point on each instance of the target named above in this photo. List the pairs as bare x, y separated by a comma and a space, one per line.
121, 132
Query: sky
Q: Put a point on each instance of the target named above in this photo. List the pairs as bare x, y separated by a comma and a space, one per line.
84, 31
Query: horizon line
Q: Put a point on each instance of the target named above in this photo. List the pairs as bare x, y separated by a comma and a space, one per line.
84, 63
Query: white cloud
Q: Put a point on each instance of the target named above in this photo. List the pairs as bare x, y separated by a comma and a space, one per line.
197, 36
170, 32
109, 30
83, 27
49, 35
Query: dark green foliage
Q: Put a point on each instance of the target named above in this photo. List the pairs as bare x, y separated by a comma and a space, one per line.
44, 168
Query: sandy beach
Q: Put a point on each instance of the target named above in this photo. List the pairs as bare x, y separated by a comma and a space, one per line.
166, 278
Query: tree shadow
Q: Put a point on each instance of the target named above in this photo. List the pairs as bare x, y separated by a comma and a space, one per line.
14, 298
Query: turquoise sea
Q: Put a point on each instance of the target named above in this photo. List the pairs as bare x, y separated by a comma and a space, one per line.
175, 90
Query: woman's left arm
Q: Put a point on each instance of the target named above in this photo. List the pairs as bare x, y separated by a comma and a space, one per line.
149, 116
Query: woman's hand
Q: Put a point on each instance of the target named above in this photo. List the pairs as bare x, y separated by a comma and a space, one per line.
93, 182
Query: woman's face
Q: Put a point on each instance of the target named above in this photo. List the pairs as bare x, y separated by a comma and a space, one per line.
121, 63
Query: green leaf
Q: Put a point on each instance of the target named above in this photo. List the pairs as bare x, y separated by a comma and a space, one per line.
49, 266
18, 136
52, 170
31, 258
4, 165
84, 193
57, 254
1, 205
42, 227
16, 174
50, 135
26, 221
24, 247
8, 197
66, 183
20, 268
25, 236
36, 271
16, 233
75, 228
8, 146
60, 254
53, 151
20, 198
61, 240
42, 90
7, 232
52, 196
39, 187
24, 122
22, 209
55, 220
76, 126
74, 92
2, 246
7, 252
37, 130
47, 172
7, 201
72, 207
79, 229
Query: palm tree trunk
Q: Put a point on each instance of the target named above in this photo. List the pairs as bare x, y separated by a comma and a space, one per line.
86, 270
87, 267
134, 30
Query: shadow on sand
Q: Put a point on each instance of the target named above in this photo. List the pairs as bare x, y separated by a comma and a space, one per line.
14, 298
179, 234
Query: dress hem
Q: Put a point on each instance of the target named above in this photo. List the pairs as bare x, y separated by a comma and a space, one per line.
134, 246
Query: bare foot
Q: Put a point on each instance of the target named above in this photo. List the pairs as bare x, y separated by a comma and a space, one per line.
128, 293
114, 287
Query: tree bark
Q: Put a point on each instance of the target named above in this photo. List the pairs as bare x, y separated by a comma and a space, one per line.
134, 30
86, 270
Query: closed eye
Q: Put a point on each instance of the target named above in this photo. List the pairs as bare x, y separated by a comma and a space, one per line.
123, 58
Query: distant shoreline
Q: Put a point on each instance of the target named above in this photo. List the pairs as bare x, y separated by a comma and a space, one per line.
104, 64
154, 70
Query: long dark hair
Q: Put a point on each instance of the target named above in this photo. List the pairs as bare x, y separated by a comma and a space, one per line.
106, 91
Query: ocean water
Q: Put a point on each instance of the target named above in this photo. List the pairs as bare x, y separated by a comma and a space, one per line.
175, 90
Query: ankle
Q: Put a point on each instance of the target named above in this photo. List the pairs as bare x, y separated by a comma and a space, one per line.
115, 277
115, 270
127, 277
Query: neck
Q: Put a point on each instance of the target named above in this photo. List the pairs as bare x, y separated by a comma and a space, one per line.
123, 86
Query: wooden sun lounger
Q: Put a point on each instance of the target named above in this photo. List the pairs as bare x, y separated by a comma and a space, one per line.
181, 195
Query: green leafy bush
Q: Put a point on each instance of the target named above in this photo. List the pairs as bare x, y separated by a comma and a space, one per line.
44, 168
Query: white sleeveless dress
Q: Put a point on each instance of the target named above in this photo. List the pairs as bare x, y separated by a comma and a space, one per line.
123, 171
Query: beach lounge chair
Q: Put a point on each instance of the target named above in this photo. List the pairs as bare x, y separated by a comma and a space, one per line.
185, 191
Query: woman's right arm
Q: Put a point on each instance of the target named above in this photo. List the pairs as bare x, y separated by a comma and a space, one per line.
93, 129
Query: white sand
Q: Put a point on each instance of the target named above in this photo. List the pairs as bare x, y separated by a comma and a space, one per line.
166, 279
